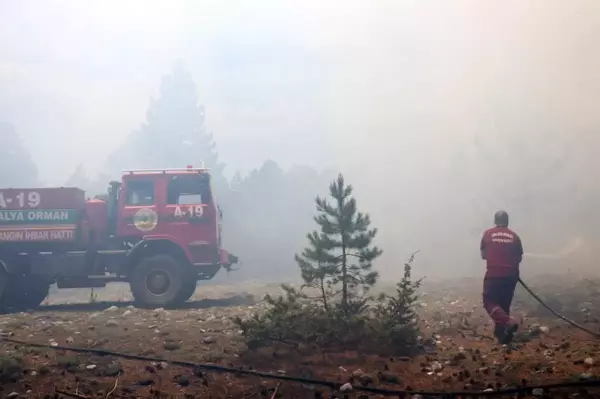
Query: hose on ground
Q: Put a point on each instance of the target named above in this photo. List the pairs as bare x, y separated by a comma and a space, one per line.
329, 384
555, 313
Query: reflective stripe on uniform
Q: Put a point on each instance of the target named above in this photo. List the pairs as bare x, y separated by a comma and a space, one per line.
495, 310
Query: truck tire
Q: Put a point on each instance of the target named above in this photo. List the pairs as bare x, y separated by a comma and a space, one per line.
3, 284
24, 293
159, 281
188, 290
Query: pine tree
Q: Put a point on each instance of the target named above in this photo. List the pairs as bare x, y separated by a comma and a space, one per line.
79, 178
344, 246
175, 133
176, 122
236, 181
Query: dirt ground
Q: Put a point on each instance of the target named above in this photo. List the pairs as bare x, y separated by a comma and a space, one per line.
460, 354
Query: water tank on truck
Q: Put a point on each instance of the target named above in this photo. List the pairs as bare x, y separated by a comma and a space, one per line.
35, 221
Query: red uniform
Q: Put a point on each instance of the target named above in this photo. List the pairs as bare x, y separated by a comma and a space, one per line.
503, 251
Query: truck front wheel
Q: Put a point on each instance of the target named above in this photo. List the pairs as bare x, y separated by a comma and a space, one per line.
158, 281
188, 290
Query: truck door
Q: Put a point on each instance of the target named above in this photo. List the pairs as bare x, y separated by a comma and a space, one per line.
138, 210
192, 216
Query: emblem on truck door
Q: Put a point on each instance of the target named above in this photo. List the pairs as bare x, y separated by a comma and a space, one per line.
145, 219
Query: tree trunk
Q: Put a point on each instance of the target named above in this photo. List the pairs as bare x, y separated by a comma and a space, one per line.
344, 278
325, 304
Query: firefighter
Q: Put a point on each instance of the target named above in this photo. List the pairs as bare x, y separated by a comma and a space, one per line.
502, 250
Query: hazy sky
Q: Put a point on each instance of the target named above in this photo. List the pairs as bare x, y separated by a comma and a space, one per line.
403, 95
80, 74
296, 81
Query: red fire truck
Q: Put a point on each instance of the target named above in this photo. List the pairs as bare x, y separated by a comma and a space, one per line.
158, 230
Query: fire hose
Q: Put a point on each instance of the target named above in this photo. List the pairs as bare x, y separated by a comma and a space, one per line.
573, 245
536, 390
555, 313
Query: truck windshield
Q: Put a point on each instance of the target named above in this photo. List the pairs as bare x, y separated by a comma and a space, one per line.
189, 190
140, 192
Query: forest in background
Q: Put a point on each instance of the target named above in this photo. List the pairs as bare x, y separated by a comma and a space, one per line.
269, 210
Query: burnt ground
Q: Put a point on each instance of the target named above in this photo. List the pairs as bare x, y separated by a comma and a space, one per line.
461, 354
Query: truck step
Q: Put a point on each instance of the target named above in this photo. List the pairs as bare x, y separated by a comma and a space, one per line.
87, 282
110, 252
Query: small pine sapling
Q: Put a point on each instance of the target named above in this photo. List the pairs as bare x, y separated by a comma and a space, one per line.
349, 238
397, 315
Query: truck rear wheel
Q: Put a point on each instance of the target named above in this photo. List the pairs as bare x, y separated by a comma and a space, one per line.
3, 283
159, 281
24, 293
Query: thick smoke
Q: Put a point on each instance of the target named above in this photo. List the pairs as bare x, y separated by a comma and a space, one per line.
439, 113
